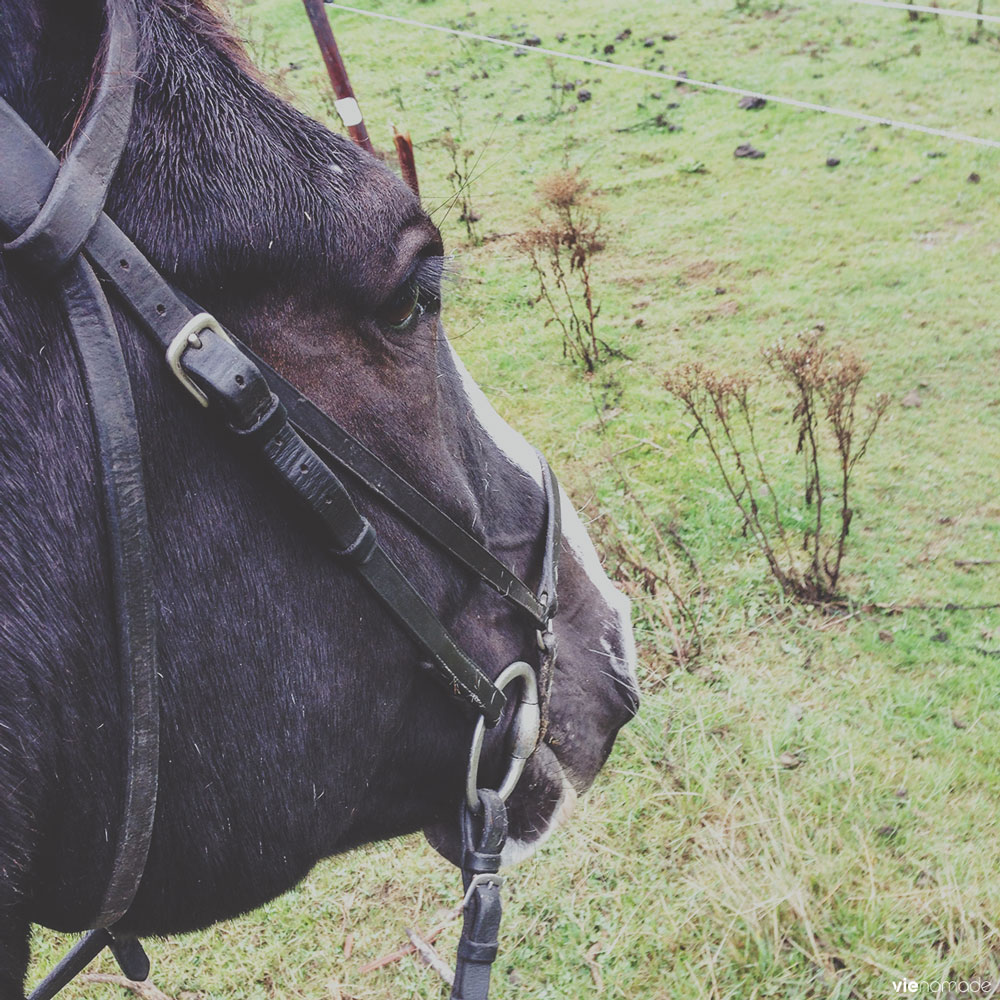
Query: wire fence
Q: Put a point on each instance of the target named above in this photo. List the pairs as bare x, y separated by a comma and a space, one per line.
944, 133
971, 15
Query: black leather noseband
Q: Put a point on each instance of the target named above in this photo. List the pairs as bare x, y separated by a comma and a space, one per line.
56, 213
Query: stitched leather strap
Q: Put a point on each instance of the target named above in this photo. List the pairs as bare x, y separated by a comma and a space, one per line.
54, 210
112, 414
338, 446
58, 229
548, 587
548, 591
478, 945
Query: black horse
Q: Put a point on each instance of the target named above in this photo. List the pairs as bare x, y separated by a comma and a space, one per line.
294, 724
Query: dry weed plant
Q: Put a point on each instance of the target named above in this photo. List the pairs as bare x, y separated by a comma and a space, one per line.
665, 589
561, 251
833, 432
464, 161
659, 574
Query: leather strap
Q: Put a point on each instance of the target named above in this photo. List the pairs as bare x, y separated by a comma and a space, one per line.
548, 592
478, 945
230, 380
352, 537
59, 228
548, 587
54, 211
128, 952
112, 413
337, 445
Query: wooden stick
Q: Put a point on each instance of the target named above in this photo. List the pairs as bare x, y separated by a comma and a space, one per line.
595, 970
146, 990
408, 949
347, 105
407, 164
430, 957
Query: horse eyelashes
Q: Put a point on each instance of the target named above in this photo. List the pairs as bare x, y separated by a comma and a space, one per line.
420, 291
429, 274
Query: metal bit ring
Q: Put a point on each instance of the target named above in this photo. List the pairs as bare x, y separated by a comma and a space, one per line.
523, 735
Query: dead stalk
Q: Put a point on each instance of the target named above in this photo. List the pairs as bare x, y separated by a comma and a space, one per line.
824, 384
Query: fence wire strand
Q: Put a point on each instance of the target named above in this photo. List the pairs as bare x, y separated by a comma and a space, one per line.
791, 102
919, 9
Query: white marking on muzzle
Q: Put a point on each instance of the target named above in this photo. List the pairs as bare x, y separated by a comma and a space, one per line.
516, 851
522, 455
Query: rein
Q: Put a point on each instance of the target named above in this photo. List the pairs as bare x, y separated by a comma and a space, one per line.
57, 210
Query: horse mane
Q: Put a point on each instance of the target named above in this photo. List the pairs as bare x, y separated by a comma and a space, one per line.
207, 20
274, 190
210, 21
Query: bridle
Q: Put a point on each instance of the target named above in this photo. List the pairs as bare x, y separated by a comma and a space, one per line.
57, 210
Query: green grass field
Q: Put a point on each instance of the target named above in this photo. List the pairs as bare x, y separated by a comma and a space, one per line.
812, 808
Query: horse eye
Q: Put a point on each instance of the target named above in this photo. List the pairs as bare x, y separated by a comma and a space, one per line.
403, 308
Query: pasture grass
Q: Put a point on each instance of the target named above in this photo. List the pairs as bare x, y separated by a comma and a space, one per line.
811, 810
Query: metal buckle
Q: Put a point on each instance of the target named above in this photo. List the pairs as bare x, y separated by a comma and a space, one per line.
545, 637
524, 734
483, 878
188, 337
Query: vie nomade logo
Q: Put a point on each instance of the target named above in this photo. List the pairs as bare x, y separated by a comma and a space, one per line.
960, 987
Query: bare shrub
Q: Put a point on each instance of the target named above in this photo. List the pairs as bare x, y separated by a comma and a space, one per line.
463, 165
833, 432
648, 557
561, 251
666, 589
464, 161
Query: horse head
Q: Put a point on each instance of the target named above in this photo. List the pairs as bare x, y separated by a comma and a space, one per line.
296, 721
